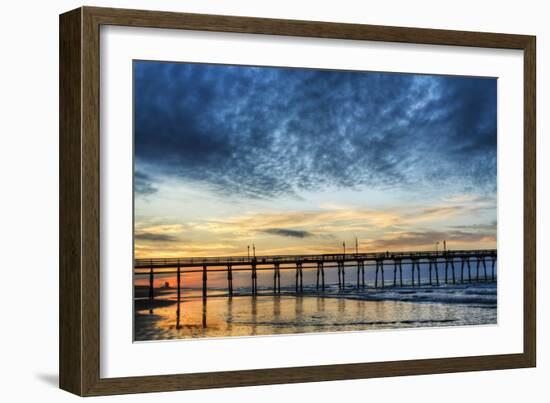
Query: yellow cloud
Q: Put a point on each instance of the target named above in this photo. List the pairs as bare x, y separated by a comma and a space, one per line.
159, 229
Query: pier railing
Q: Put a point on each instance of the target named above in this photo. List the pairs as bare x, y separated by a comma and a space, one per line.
290, 259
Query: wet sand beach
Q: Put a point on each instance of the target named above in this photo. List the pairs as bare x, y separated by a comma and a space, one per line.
311, 312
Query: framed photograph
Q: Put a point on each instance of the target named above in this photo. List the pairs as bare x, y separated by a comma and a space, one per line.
249, 201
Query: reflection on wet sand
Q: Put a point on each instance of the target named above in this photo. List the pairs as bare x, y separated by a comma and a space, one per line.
178, 314
249, 315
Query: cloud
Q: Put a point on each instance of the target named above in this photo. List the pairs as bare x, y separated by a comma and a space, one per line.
318, 222
434, 213
157, 232
173, 249
478, 227
318, 231
157, 226
262, 132
328, 222
292, 233
415, 239
143, 184
467, 198
155, 237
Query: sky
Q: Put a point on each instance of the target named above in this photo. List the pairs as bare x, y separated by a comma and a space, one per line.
300, 161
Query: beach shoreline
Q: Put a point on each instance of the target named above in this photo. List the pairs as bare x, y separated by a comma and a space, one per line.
312, 311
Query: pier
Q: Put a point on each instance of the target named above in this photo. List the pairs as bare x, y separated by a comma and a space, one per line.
482, 260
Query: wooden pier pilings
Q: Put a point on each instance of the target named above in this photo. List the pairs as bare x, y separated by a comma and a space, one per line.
320, 273
178, 280
277, 278
254, 278
230, 265
299, 278
151, 284
341, 274
230, 280
204, 280
379, 268
360, 274
396, 264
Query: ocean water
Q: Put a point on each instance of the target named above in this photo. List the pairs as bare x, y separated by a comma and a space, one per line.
330, 311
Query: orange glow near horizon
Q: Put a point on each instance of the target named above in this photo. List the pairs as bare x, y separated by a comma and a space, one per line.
318, 232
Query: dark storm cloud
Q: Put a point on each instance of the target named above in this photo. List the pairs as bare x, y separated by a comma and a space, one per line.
262, 132
292, 233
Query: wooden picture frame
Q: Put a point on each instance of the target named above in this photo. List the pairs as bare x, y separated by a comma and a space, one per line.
79, 201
